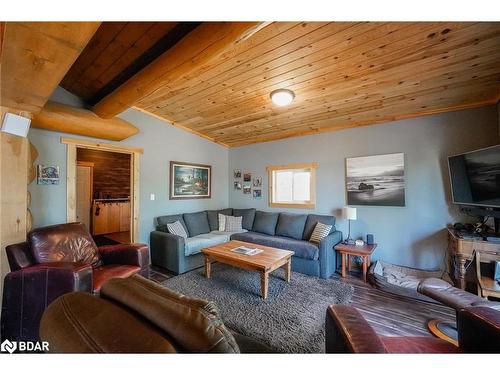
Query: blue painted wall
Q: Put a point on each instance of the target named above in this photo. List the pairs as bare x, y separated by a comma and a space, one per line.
413, 235
161, 142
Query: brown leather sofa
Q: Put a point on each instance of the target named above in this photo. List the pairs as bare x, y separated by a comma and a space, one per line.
348, 332
136, 315
56, 260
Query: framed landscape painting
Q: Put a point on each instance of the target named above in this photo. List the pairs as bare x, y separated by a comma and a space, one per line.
190, 181
376, 180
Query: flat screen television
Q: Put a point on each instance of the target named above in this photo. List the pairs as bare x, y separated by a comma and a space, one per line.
475, 177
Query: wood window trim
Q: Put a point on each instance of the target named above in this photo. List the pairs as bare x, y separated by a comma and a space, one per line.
311, 204
71, 163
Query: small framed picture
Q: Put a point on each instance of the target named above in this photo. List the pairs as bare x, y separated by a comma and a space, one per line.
257, 181
257, 193
247, 176
47, 175
247, 189
237, 185
237, 173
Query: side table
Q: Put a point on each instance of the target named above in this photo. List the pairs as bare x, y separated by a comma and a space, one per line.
346, 251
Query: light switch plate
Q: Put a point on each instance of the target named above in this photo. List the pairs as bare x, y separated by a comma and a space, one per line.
152, 197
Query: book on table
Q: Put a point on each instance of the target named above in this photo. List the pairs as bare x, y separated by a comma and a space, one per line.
247, 250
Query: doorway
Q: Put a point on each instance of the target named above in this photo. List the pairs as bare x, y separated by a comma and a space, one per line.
103, 189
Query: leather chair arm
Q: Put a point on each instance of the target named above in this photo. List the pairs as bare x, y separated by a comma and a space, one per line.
327, 256
19, 256
448, 295
479, 330
28, 291
348, 332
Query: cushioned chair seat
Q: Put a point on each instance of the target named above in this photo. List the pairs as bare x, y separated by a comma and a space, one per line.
104, 273
302, 249
193, 245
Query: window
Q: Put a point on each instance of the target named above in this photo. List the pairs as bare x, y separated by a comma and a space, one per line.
292, 185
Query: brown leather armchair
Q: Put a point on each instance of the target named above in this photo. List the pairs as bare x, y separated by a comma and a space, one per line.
56, 260
348, 332
158, 320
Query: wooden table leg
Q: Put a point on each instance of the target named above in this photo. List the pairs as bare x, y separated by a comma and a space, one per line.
264, 284
208, 267
349, 262
365, 266
343, 264
288, 270
461, 261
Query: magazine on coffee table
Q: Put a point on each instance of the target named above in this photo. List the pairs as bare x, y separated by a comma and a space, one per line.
247, 250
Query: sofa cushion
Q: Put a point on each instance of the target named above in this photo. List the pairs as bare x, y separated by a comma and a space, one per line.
197, 223
162, 221
69, 242
291, 225
311, 222
265, 222
248, 215
193, 245
213, 217
320, 231
177, 228
302, 249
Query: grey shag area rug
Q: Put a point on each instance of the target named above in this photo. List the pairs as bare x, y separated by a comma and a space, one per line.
290, 320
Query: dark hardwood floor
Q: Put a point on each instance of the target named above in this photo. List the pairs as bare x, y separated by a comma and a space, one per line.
389, 314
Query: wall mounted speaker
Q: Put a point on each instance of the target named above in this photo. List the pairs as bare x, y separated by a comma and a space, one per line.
17, 125
369, 239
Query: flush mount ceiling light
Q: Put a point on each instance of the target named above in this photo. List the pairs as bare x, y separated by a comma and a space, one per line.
282, 97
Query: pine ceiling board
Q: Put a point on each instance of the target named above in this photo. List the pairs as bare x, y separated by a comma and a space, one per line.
397, 110
427, 74
240, 63
264, 95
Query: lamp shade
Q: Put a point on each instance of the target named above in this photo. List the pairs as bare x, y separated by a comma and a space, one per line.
350, 213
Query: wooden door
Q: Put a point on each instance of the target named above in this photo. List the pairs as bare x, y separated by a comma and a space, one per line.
124, 216
83, 194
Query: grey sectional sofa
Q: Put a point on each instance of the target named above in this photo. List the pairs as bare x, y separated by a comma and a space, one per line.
281, 230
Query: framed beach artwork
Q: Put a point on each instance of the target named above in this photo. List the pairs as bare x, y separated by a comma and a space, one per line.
47, 175
190, 181
376, 180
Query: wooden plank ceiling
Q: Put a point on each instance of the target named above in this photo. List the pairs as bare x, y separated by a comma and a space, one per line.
344, 74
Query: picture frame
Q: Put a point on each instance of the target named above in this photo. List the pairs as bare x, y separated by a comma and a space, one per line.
247, 176
237, 185
247, 189
237, 173
47, 174
257, 181
257, 193
377, 180
190, 180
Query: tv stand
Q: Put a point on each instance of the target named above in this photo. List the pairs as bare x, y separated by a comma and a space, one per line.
484, 212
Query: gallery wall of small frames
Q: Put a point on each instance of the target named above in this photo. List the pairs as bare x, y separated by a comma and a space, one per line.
246, 182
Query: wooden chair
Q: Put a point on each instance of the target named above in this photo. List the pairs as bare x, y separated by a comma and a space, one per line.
486, 284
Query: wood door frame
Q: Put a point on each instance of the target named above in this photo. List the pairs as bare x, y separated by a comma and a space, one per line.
90, 165
72, 145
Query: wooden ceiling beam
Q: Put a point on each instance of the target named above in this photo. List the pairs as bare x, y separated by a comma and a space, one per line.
66, 119
199, 47
35, 58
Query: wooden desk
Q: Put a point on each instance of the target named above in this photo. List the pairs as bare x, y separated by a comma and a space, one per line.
461, 251
346, 251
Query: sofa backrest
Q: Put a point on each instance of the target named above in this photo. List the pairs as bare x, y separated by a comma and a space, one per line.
162, 221
265, 222
69, 242
213, 217
311, 222
291, 225
248, 215
197, 223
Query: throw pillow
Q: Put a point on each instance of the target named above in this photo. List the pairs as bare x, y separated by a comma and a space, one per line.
320, 231
233, 223
177, 229
222, 223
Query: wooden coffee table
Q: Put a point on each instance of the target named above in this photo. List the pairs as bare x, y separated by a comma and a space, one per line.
265, 262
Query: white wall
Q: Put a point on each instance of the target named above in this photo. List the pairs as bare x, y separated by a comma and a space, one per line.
162, 143
413, 235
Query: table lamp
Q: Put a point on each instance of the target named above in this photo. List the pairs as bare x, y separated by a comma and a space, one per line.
349, 213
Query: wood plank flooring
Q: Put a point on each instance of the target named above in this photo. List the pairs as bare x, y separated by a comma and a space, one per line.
389, 314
